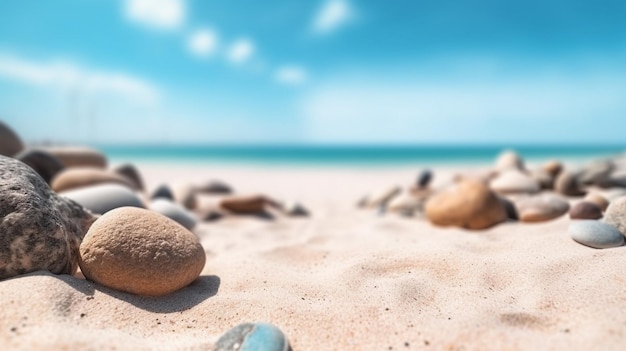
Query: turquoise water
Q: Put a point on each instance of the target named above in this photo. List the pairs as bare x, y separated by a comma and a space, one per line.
349, 155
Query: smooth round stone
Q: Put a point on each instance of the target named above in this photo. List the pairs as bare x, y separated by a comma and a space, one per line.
598, 200
596, 172
467, 204
541, 208
424, 178
295, 209
104, 197
244, 204
163, 191
72, 156
39, 230
10, 143
585, 210
514, 182
509, 160
253, 337
616, 214
543, 178
214, 187
141, 252
131, 173
596, 234
174, 211
74, 178
46, 165
383, 197
567, 184
553, 168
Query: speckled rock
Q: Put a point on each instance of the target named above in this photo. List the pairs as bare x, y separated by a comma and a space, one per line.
596, 172
253, 337
214, 187
553, 168
162, 191
131, 173
585, 210
10, 143
616, 214
103, 198
598, 200
540, 208
75, 178
46, 165
381, 198
74, 156
174, 211
514, 182
141, 252
567, 184
38, 229
596, 234
509, 160
468, 204
245, 204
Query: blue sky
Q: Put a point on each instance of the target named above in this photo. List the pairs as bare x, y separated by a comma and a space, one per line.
319, 71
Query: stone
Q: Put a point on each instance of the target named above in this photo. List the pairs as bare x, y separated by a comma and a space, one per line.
616, 214
406, 204
10, 142
245, 204
598, 200
424, 178
509, 207
74, 178
73, 156
45, 164
131, 173
253, 337
103, 198
185, 194
543, 178
383, 197
214, 187
514, 182
468, 204
540, 208
174, 211
596, 172
295, 209
567, 184
140, 252
163, 191
596, 234
509, 160
553, 168
39, 230
585, 210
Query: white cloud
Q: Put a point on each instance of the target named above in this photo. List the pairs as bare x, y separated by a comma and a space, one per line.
332, 15
240, 51
291, 75
159, 14
61, 74
203, 42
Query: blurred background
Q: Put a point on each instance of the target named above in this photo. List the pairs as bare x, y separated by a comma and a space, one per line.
319, 72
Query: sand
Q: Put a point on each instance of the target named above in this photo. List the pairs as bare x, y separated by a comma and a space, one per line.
344, 279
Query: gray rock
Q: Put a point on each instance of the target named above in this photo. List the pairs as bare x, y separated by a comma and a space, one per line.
596, 172
424, 178
10, 143
616, 214
104, 197
214, 187
131, 173
295, 209
163, 191
253, 337
595, 234
567, 184
174, 211
45, 164
38, 229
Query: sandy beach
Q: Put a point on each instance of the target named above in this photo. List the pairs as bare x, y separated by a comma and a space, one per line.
342, 279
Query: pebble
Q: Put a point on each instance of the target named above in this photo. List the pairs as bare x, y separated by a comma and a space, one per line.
295, 209
185, 194
103, 198
553, 168
509, 160
567, 184
244, 204
141, 252
543, 178
162, 191
383, 197
214, 187
10, 143
74, 156
540, 208
131, 173
596, 234
514, 182
424, 178
585, 210
75, 178
174, 211
39, 229
598, 200
468, 204
616, 214
46, 165
253, 337
597, 172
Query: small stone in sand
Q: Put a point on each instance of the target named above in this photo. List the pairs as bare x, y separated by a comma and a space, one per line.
245, 204
406, 204
163, 191
424, 178
513, 182
295, 209
214, 187
140, 252
72, 156
598, 200
103, 198
616, 214
131, 173
596, 172
596, 234
46, 165
553, 168
467, 204
253, 337
585, 210
74, 178
10, 143
541, 208
185, 194
173, 211
508, 160
567, 184
543, 178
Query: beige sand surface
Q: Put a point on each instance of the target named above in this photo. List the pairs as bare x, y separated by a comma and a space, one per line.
344, 279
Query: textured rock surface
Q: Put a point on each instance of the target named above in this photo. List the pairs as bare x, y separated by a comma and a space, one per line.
253, 337
74, 178
509, 160
616, 214
78, 156
45, 164
585, 210
10, 143
567, 184
514, 182
541, 208
140, 252
104, 197
38, 229
174, 211
131, 173
468, 204
596, 234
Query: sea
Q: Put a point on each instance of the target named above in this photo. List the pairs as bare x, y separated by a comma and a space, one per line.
352, 155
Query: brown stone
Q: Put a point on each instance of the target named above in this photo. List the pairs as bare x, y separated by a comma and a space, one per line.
468, 204
246, 204
74, 178
73, 156
10, 143
567, 184
140, 252
553, 168
131, 173
598, 200
541, 208
585, 210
